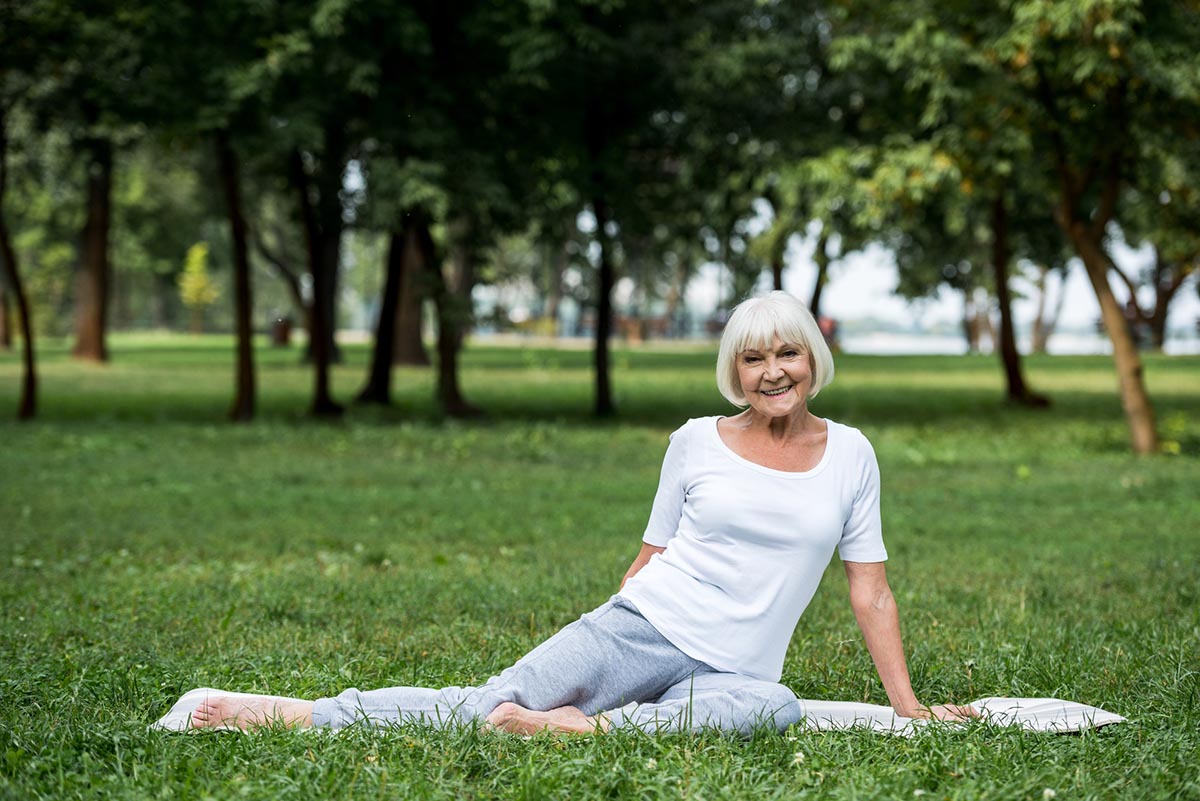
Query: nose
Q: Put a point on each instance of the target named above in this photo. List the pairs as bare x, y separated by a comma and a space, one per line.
772, 369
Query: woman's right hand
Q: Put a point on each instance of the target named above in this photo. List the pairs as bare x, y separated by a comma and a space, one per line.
951, 712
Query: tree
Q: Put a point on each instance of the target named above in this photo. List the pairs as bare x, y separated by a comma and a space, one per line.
196, 288
327, 61
19, 65
1083, 92
11, 277
1163, 212
96, 53
222, 108
1103, 81
604, 69
947, 97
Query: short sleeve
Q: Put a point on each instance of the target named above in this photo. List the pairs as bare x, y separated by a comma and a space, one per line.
862, 535
668, 500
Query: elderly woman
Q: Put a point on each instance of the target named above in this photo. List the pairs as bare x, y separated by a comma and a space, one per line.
748, 512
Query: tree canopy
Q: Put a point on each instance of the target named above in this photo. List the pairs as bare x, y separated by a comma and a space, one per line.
618, 143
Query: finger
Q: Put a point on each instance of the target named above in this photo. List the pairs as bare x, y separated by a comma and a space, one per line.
962, 712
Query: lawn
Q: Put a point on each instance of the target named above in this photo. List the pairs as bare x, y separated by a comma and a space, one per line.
148, 547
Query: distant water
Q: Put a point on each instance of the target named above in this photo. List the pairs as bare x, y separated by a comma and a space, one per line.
884, 343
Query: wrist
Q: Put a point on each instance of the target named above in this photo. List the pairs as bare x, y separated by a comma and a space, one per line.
910, 708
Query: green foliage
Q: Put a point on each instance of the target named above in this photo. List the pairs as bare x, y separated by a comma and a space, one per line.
196, 289
150, 547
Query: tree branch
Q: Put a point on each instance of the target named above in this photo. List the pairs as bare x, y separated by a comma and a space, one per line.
1129, 284
1111, 190
276, 260
1061, 161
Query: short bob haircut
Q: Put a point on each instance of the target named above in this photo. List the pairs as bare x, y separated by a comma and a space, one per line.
754, 324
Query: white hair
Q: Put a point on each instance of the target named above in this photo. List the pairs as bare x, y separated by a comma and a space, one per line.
754, 324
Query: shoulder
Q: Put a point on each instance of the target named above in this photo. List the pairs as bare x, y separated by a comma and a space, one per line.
851, 441
695, 427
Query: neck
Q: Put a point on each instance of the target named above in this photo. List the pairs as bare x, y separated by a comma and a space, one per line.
798, 423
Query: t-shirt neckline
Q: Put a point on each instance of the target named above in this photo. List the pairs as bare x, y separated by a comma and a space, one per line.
770, 471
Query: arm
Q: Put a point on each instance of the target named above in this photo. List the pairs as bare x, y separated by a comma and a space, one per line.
643, 557
875, 610
668, 502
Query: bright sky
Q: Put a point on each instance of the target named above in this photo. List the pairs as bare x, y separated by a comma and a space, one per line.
861, 287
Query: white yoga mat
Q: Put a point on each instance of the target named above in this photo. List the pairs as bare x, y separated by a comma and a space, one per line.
1031, 714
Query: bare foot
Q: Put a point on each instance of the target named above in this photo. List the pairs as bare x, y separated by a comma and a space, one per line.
516, 719
251, 711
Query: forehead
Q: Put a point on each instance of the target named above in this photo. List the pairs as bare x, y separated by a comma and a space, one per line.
775, 342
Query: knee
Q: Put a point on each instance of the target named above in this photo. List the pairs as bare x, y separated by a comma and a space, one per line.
778, 707
780, 697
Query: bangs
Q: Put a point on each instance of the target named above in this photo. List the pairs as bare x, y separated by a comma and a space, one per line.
763, 325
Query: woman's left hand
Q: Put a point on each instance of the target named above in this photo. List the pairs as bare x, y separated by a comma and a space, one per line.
953, 712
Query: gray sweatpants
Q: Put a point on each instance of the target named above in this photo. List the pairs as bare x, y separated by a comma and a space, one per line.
611, 660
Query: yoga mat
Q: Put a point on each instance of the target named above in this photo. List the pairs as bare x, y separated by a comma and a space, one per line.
1031, 714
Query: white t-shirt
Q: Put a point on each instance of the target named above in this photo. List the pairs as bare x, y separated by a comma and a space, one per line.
746, 545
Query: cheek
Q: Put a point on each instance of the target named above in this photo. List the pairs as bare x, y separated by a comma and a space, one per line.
746, 376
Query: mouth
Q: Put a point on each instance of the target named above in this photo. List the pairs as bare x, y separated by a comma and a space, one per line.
775, 393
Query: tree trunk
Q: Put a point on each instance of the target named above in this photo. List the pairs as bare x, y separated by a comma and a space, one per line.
970, 329
983, 319
464, 255
1168, 278
1018, 390
604, 406
318, 251
92, 279
1139, 412
378, 388
27, 408
409, 349
290, 280
821, 258
675, 297
596, 135
333, 270
5, 320
557, 257
244, 392
777, 266
451, 316
1158, 321
1045, 321
165, 292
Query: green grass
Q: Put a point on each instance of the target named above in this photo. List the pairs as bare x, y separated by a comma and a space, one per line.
147, 547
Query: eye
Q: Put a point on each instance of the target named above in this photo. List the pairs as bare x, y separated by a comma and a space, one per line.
748, 359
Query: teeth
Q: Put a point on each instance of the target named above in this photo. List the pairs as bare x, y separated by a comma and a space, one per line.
774, 392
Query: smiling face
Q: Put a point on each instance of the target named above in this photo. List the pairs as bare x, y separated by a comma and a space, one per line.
775, 380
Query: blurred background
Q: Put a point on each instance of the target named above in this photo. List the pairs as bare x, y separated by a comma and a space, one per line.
931, 177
